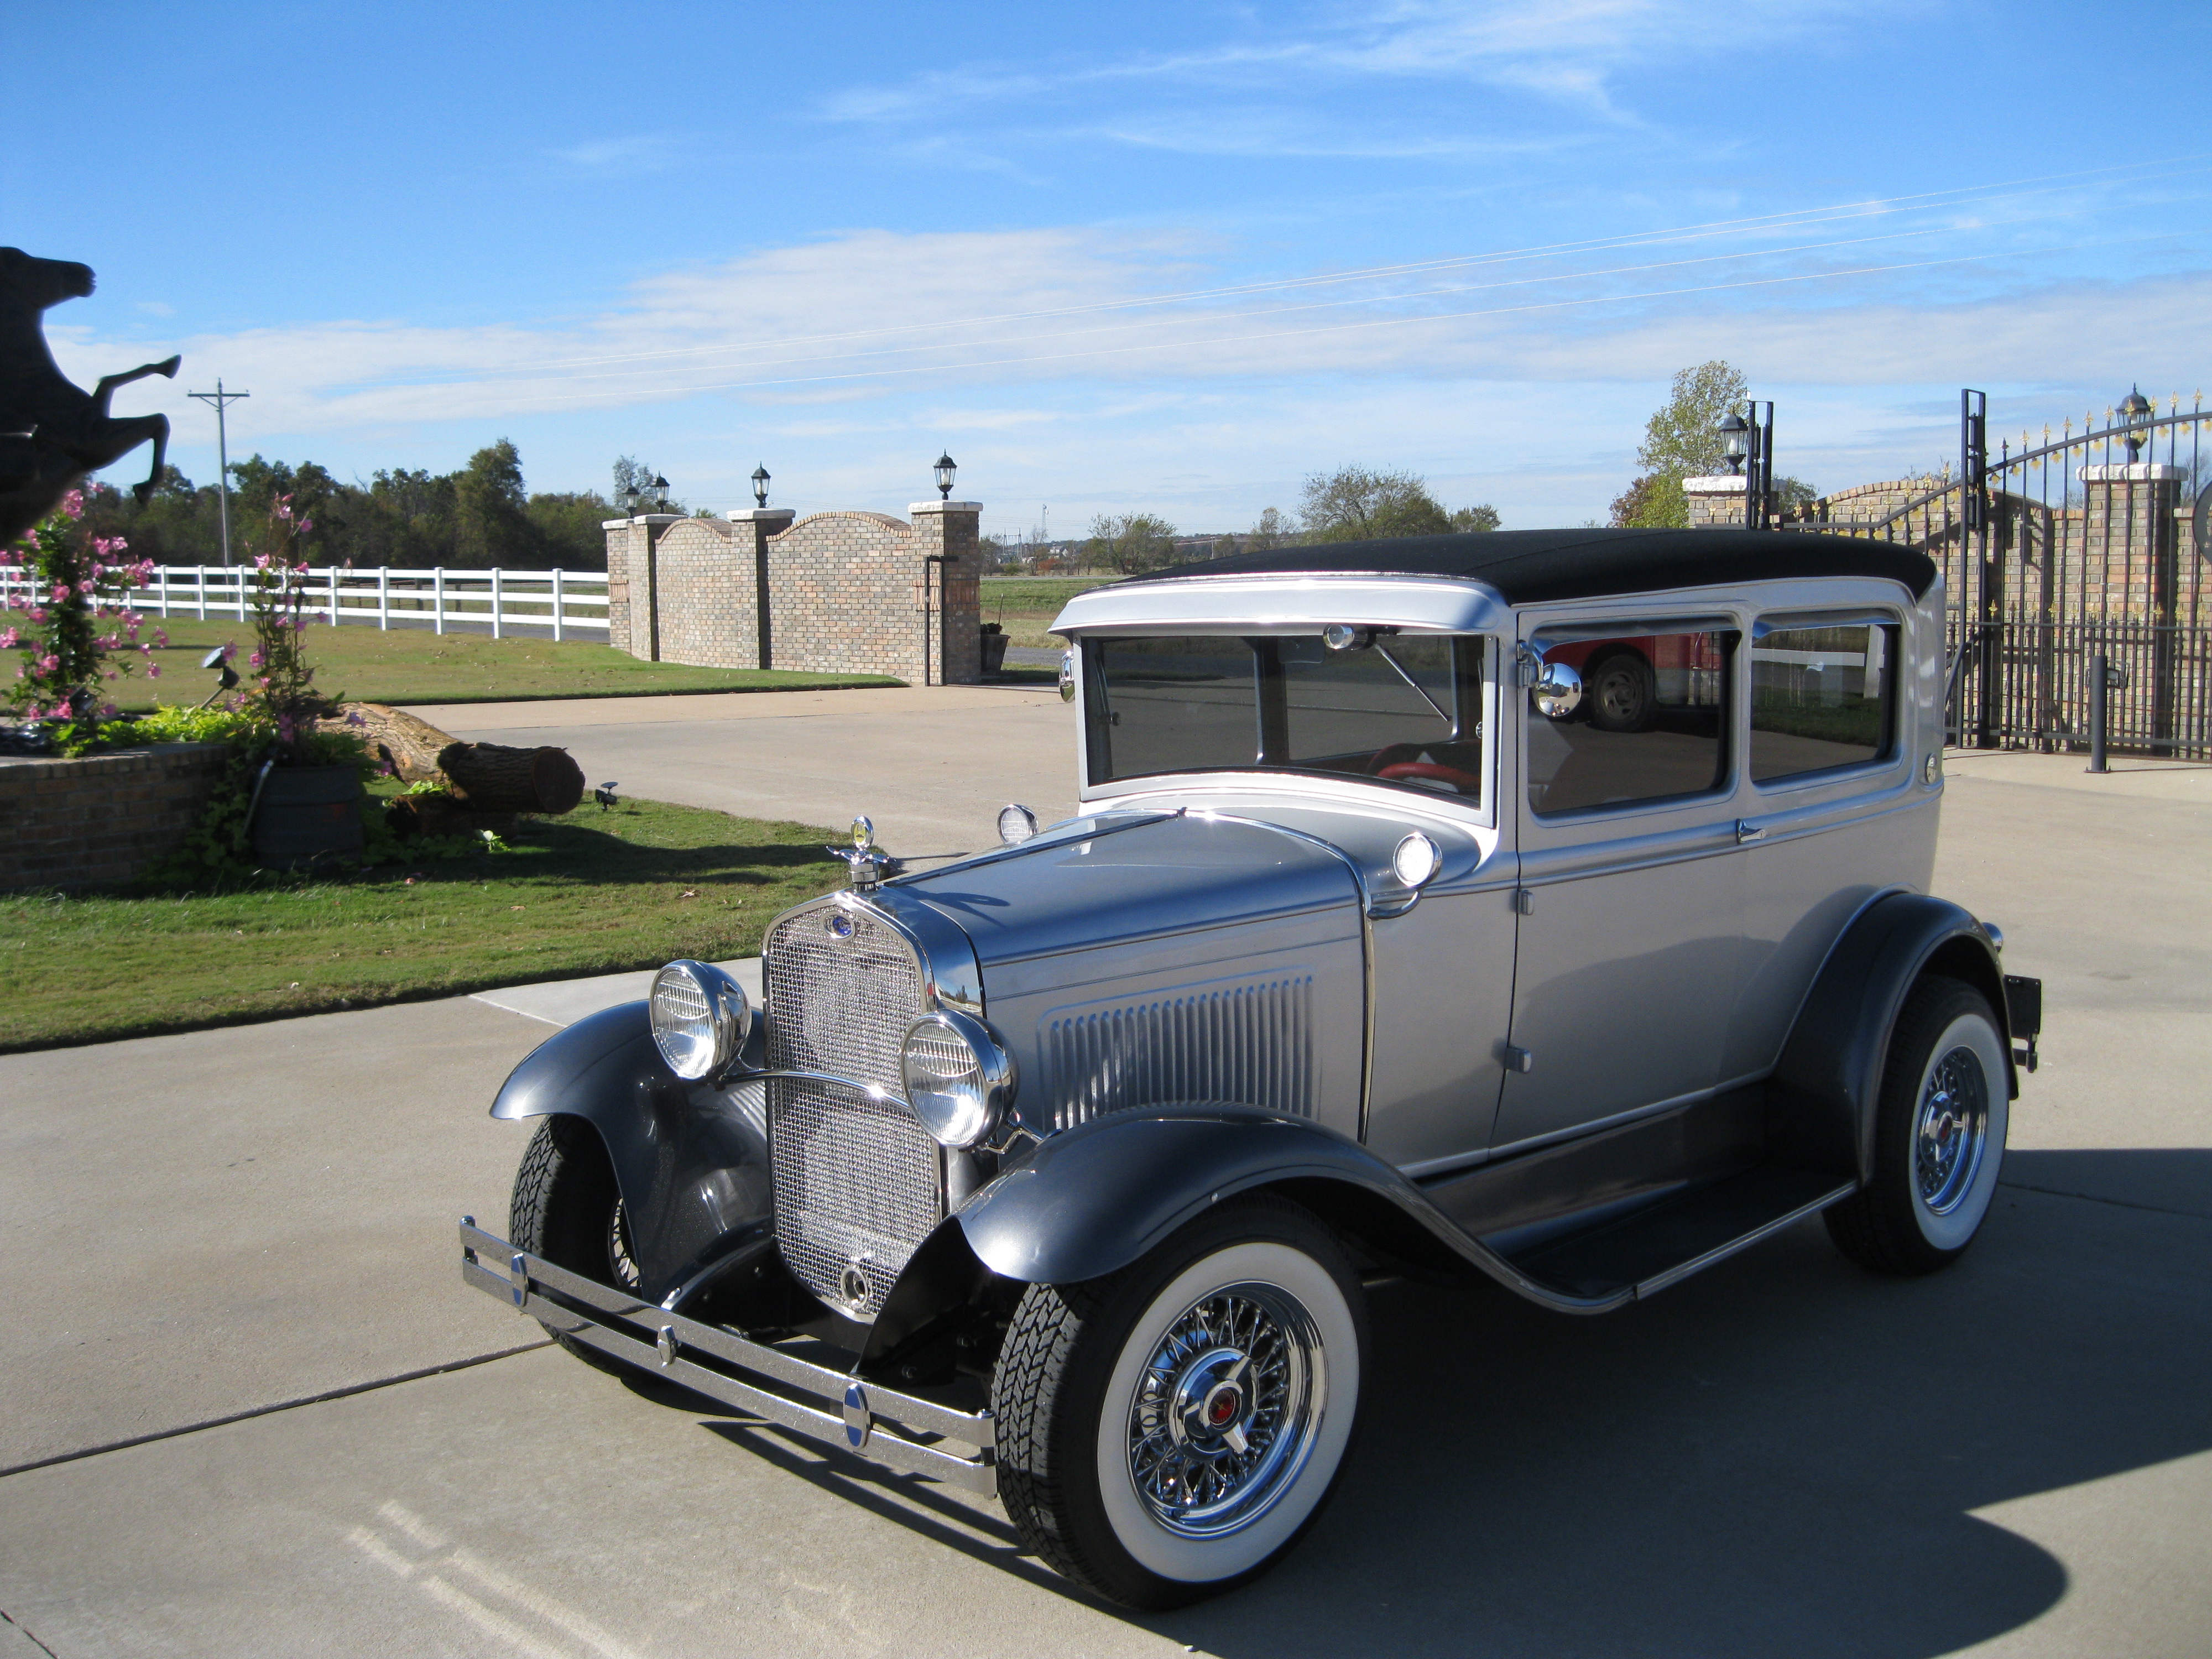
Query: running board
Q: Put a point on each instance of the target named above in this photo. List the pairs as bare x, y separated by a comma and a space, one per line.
1641, 1254
706, 1357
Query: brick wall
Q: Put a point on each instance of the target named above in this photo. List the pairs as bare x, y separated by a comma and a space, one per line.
848, 592
103, 819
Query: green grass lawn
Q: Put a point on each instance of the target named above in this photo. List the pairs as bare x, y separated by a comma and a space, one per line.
591, 893
405, 665
1026, 605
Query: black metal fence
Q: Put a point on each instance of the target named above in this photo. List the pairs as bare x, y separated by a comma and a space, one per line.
2091, 541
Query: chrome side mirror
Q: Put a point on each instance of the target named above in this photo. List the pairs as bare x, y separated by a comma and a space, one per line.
1557, 691
1067, 677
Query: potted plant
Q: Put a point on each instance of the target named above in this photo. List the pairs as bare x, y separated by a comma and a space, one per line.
306, 805
994, 648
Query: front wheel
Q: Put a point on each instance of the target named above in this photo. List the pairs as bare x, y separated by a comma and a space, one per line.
1171, 1430
567, 1209
1939, 1135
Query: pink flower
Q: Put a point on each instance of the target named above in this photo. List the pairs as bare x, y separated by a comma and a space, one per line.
8, 640
153, 669
229, 650
61, 592
48, 662
283, 507
38, 613
73, 504
261, 562
87, 584
286, 731
255, 660
108, 711
162, 639
306, 525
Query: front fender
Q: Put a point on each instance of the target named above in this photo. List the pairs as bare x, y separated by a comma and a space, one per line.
1097, 1197
1828, 1083
690, 1160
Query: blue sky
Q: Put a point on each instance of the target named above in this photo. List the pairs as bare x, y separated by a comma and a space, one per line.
1169, 258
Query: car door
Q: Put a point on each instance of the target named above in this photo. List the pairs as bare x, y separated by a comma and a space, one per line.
1630, 957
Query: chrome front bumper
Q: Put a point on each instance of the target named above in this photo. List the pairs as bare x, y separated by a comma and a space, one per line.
706, 1357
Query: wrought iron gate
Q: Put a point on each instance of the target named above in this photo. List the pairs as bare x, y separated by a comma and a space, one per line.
2054, 552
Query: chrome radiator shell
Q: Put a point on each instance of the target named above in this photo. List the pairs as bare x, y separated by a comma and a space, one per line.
858, 1184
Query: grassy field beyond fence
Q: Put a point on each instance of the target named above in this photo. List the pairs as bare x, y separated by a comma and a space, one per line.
1025, 605
414, 664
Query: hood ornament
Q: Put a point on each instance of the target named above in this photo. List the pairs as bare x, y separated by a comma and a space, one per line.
863, 858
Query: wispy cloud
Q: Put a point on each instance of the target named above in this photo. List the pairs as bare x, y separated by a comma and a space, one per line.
650, 152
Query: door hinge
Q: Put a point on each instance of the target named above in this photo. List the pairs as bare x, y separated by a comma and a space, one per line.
1524, 901
1519, 1060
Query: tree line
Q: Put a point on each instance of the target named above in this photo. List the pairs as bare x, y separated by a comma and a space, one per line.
1350, 504
475, 518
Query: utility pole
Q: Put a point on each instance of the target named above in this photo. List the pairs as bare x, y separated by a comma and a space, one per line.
222, 400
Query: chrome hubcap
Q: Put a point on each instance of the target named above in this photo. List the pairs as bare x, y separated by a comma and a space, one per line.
1226, 1410
1951, 1130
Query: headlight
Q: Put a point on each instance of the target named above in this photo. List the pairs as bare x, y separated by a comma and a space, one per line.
701, 1018
959, 1078
1016, 823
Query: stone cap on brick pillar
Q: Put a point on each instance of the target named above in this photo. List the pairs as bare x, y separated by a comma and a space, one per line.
1723, 484
2134, 472
919, 508
775, 515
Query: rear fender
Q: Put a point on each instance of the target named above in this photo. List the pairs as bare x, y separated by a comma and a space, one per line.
690, 1160
1825, 1091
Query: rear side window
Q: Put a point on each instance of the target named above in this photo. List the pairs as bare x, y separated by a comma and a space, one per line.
1821, 699
1652, 725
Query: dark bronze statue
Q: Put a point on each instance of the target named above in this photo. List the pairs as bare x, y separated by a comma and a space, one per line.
53, 433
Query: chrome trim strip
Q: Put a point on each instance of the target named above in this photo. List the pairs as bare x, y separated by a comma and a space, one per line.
667, 1336
1674, 1275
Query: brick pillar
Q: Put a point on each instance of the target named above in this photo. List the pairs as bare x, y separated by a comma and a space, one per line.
2134, 545
1715, 500
953, 531
763, 522
631, 545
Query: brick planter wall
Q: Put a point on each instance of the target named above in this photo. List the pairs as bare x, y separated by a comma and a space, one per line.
103, 819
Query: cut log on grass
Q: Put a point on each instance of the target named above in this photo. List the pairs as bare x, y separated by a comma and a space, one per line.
494, 778
488, 777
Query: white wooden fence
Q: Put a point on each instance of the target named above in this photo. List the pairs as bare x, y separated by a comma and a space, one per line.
563, 602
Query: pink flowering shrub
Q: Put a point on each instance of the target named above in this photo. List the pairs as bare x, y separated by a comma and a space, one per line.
283, 687
67, 611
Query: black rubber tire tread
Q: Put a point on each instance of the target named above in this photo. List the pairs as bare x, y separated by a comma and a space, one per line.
1053, 1367
564, 1191
1876, 1226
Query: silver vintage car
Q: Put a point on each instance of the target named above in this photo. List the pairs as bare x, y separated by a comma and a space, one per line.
1548, 905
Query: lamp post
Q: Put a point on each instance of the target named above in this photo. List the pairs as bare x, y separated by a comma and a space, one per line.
2135, 413
946, 468
760, 486
1749, 446
657, 492
1732, 442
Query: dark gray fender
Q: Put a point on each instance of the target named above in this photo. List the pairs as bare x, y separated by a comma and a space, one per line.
1097, 1197
1825, 1088
692, 1172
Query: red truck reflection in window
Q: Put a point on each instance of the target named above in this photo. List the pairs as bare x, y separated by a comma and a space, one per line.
1627, 681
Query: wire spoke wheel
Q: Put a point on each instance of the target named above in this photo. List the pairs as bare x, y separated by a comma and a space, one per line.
1225, 1411
1951, 1131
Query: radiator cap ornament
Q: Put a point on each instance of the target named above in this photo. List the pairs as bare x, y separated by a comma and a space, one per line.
863, 858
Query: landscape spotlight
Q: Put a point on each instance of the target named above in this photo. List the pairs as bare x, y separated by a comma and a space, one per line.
605, 794
944, 471
1733, 444
760, 486
2135, 412
226, 676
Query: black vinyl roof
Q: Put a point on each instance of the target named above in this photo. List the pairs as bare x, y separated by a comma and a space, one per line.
1532, 566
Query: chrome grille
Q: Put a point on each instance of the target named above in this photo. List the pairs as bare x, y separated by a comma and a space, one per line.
857, 1181
1247, 1044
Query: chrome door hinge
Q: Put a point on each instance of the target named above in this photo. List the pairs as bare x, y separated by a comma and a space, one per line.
1519, 1060
1527, 664
1524, 901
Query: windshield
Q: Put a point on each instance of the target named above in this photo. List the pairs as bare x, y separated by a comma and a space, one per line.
1399, 710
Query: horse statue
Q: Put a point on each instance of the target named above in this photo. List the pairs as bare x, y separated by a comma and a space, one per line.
53, 433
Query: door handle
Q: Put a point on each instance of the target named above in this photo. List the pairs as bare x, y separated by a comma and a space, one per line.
1746, 832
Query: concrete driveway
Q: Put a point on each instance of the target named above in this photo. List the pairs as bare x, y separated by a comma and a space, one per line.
1784, 1456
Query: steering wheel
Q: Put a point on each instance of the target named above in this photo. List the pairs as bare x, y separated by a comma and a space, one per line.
1467, 782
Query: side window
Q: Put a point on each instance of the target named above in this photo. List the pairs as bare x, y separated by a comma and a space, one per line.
1652, 725
1821, 698
1172, 705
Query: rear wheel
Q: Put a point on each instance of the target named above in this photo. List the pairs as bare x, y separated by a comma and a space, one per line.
1621, 693
1171, 1430
1939, 1135
567, 1210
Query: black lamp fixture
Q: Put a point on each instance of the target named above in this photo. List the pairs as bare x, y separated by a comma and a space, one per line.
946, 469
760, 486
631, 498
2135, 413
1733, 443
658, 491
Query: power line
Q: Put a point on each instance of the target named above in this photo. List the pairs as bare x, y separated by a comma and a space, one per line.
222, 400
